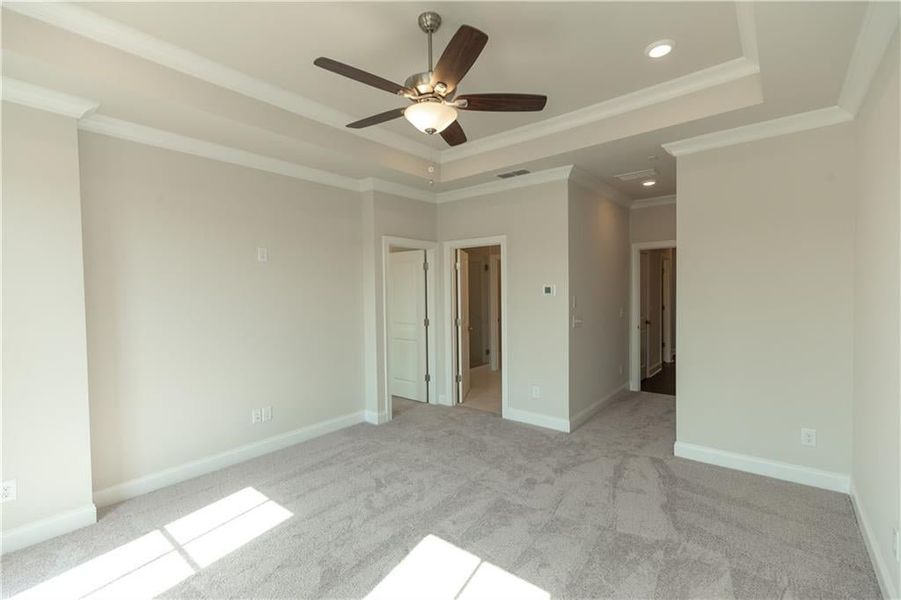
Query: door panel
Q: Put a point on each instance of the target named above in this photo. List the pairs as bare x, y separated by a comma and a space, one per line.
465, 324
643, 320
406, 325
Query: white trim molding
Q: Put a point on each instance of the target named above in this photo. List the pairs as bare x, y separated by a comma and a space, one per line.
827, 480
651, 202
45, 529
813, 119
593, 184
208, 464
536, 419
585, 414
501, 185
876, 31
371, 184
883, 575
710, 77
35, 96
91, 25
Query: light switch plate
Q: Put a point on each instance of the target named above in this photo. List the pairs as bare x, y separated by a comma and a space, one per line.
256, 415
267, 413
262, 254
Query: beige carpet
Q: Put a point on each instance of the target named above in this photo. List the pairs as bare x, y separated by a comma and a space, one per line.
484, 390
460, 503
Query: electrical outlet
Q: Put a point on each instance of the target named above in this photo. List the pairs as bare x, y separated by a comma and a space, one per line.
9, 491
256, 415
267, 413
808, 437
262, 254
536, 391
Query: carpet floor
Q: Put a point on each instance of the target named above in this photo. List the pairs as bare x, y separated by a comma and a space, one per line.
604, 512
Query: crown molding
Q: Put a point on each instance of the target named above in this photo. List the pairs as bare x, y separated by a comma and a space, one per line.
159, 138
876, 30
656, 94
747, 30
591, 183
35, 96
133, 41
492, 187
813, 119
651, 202
372, 184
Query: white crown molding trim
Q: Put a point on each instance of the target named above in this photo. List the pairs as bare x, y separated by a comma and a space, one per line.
656, 94
537, 419
883, 575
196, 468
651, 202
159, 138
584, 415
823, 117
492, 187
35, 96
827, 480
128, 39
371, 184
879, 23
593, 184
45, 529
747, 30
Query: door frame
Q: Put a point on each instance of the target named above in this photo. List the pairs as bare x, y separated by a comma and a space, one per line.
431, 249
449, 249
635, 308
666, 267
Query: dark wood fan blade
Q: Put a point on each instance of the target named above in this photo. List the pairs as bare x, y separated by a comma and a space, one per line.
379, 118
359, 75
460, 54
454, 135
503, 102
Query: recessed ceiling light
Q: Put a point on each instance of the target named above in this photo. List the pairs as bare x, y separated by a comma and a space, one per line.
660, 48
649, 182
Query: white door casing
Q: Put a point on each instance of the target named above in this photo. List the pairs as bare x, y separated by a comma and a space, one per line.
407, 354
494, 272
645, 321
635, 317
465, 327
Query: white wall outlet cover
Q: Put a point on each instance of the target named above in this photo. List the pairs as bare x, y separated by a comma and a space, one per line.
262, 254
549, 289
536, 391
9, 491
808, 437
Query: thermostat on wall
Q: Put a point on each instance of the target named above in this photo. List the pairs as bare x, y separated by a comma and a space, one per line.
549, 289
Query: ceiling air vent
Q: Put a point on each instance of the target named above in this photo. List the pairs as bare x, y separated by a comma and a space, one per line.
515, 173
645, 174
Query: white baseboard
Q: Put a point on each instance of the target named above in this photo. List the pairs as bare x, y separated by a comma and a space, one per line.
42, 530
654, 370
882, 573
583, 415
375, 418
537, 419
827, 480
173, 475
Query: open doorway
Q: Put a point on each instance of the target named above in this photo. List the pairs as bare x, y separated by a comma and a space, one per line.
653, 338
478, 316
409, 341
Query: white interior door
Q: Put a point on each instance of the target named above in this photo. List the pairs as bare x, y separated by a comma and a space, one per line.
494, 347
644, 321
465, 324
407, 356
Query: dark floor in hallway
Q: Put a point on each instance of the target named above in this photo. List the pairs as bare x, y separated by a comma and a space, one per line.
663, 382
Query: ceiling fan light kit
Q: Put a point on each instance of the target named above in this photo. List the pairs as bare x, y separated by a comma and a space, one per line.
434, 108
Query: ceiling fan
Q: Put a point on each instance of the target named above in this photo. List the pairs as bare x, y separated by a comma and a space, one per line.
434, 108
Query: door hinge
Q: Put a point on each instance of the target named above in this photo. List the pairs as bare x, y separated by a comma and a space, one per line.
457, 322
425, 266
428, 378
425, 322
457, 265
459, 378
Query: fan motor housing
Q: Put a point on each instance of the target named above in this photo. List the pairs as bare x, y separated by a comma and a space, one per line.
429, 21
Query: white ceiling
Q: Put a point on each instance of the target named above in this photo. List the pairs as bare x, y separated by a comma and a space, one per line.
772, 60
